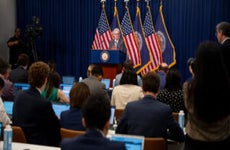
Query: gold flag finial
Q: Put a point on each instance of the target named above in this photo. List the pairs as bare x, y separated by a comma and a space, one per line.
103, 3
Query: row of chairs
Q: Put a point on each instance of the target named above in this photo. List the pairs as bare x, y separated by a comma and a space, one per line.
150, 143
118, 114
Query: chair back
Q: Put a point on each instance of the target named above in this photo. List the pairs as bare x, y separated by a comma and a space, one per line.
175, 116
118, 113
155, 144
18, 135
67, 133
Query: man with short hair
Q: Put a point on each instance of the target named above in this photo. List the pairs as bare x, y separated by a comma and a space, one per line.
162, 72
33, 113
149, 117
116, 43
94, 82
95, 117
20, 74
223, 36
16, 46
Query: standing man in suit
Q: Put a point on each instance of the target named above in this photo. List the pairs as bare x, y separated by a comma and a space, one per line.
33, 113
116, 43
149, 117
96, 113
223, 36
94, 82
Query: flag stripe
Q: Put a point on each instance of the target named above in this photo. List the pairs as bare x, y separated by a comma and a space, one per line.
129, 39
103, 33
150, 37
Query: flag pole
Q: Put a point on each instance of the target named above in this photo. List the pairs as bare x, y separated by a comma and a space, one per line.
147, 1
103, 3
115, 3
126, 2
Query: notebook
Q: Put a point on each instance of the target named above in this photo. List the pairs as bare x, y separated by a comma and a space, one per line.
68, 79
8, 105
66, 89
106, 82
58, 108
131, 142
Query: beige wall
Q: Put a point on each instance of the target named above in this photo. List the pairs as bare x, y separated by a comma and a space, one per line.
7, 25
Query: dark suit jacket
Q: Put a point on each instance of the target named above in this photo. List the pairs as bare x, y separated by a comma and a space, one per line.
225, 49
71, 119
96, 87
36, 117
19, 75
92, 140
150, 118
120, 44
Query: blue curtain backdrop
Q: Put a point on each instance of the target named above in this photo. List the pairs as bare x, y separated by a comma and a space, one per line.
69, 27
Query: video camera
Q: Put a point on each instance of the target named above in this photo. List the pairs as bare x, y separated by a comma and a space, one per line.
34, 30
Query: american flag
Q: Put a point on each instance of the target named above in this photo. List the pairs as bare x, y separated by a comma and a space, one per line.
103, 33
129, 38
151, 39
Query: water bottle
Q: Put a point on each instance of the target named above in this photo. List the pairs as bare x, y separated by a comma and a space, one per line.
80, 79
7, 144
181, 119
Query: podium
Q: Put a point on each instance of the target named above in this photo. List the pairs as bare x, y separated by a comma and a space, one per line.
110, 60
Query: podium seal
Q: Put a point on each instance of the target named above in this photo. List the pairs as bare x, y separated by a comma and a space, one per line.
105, 56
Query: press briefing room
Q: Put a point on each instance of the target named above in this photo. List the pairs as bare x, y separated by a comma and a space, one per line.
114, 74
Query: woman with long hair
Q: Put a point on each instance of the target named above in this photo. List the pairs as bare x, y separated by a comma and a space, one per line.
207, 100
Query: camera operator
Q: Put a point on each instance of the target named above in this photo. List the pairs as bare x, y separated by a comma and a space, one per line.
17, 46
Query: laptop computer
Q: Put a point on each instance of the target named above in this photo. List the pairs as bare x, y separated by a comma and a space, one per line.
68, 79
106, 82
66, 89
8, 106
132, 142
21, 86
58, 108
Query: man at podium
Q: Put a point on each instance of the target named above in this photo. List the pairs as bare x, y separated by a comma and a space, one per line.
117, 43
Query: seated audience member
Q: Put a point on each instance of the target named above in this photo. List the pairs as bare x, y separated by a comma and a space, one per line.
71, 119
190, 63
52, 66
128, 64
89, 70
172, 94
20, 74
94, 82
207, 101
52, 91
96, 113
33, 113
162, 72
127, 91
4, 118
149, 117
8, 89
